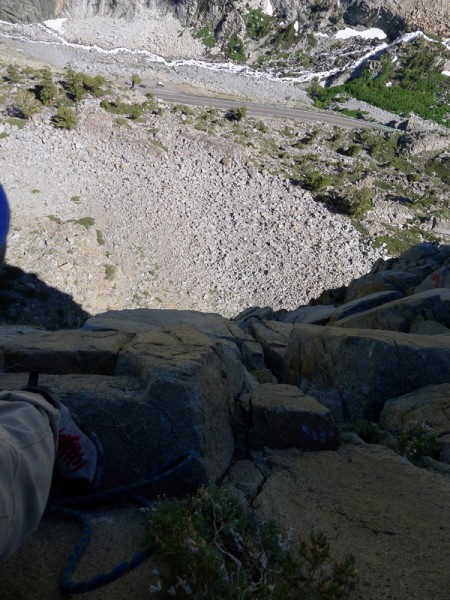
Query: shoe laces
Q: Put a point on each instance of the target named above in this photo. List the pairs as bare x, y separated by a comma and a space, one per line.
70, 452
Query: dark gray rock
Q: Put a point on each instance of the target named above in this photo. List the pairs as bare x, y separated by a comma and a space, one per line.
146, 319
381, 281
246, 477
438, 279
365, 368
253, 358
273, 337
363, 304
149, 396
314, 315
29, 11
428, 406
64, 352
406, 315
284, 417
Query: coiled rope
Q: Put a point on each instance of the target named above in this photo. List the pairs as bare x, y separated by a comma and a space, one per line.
64, 507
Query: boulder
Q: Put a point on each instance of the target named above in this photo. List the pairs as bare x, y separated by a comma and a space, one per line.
62, 351
246, 477
317, 315
282, 416
273, 337
368, 501
364, 368
363, 304
418, 254
428, 405
381, 281
145, 319
149, 396
30, 11
438, 279
255, 312
407, 314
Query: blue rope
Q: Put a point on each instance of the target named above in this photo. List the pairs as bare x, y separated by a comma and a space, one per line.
61, 507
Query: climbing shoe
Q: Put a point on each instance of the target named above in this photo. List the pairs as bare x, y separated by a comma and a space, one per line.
76, 458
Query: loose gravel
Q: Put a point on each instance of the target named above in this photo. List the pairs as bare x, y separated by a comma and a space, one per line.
186, 220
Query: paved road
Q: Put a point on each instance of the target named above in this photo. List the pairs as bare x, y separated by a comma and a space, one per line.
268, 110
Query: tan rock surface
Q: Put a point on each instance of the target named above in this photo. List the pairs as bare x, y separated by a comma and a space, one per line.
392, 516
118, 533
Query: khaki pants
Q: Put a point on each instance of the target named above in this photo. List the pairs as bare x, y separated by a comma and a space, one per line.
28, 442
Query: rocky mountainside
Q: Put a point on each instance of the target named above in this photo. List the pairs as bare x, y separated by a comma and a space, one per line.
393, 16
335, 416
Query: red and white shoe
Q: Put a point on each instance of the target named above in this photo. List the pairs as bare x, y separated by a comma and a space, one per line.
76, 457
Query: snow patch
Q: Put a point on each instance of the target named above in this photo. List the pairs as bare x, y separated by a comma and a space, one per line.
269, 9
55, 24
369, 34
446, 73
296, 27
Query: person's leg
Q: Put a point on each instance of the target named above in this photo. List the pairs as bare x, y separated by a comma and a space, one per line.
28, 442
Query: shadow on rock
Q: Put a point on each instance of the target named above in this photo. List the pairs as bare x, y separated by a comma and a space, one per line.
27, 300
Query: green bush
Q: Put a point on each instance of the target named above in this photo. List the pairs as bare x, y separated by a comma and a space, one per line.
205, 36
25, 104
236, 114
46, 90
110, 272
236, 48
135, 112
367, 430
135, 80
285, 37
416, 85
65, 118
316, 181
211, 546
416, 441
257, 23
74, 84
12, 74
93, 85
359, 201
349, 201
321, 96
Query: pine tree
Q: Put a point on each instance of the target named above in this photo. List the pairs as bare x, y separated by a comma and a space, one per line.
135, 80
46, 90
12, 74
65, 118
74, 85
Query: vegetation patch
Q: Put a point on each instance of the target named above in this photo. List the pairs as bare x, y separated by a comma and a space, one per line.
398, 240
110, 272
210, 546
413, 84
86, 222
417, 441
257, 23
236, 114
236, 49
65, 118
206, 36
354, 202
158, 144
